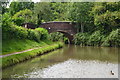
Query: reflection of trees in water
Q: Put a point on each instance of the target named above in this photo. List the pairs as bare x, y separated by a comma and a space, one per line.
69, 50
94, 53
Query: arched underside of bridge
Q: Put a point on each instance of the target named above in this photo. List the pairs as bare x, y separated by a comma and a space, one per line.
66, 34
67, 28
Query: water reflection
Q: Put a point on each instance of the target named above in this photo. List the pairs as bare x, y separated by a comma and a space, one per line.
97, 56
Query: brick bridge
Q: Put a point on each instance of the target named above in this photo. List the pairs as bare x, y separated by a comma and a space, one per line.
67, 28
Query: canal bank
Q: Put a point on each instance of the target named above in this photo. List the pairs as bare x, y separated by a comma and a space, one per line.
17, 58
71, 61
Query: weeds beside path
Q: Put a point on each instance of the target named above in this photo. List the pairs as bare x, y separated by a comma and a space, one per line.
1, 56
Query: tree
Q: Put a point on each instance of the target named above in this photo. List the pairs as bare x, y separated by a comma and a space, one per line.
106, 16
80, 13
24, 14
42, 12
17, 6
60, 11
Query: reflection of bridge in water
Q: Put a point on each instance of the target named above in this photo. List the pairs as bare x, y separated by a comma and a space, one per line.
67, 28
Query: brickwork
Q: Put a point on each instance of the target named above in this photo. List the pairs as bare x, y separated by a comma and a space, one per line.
67, 28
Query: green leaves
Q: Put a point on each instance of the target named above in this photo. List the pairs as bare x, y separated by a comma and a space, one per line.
84, 39
96, 39
81, 39
56, 36
106, 16
43, 32
113, 39
24, 14
17, 6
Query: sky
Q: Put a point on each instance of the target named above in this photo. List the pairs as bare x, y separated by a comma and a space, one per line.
26, 0
36, 1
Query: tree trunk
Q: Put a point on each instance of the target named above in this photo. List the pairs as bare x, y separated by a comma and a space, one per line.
82, 27
39, 20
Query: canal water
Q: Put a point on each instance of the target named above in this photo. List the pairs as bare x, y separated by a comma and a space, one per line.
69, 62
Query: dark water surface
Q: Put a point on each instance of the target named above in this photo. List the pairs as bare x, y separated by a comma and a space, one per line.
69, 62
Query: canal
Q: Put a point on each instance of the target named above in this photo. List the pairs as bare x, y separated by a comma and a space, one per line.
69, 62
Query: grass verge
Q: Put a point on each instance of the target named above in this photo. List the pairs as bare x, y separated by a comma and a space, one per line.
16, 45
14, 59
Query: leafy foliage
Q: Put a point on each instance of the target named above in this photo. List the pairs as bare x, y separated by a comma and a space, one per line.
56, 36
96, 39
81, 39
11, 30
17, 6
113, 39
24, 14
107, 21
43, 32
18, 21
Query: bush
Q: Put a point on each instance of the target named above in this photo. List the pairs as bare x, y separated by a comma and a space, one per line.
113, 39
19, 32
11, 30
56, 36
6, 20
18, 21
43, 32
81, 39
66, 40
33, 35
96, 39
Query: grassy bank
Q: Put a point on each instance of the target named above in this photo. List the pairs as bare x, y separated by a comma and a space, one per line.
15, 45
13, 59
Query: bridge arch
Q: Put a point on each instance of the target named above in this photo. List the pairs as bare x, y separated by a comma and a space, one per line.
67, 28
66, 34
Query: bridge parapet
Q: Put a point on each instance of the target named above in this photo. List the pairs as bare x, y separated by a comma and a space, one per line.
52, 26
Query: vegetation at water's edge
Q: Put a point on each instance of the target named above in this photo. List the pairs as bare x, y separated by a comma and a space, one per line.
98, 39
13, 59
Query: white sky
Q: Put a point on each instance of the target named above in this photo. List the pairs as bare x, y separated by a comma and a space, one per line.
36, 1
22, 1
26, 0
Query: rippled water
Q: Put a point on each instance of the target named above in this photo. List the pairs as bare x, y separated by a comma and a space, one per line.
69, 62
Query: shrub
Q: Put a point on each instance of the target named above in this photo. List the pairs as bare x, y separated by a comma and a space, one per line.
56, 36
11, 30
113, 39
33, 35
66, 40
19, 32
81, 39
18, 21
96, 39
43, 32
